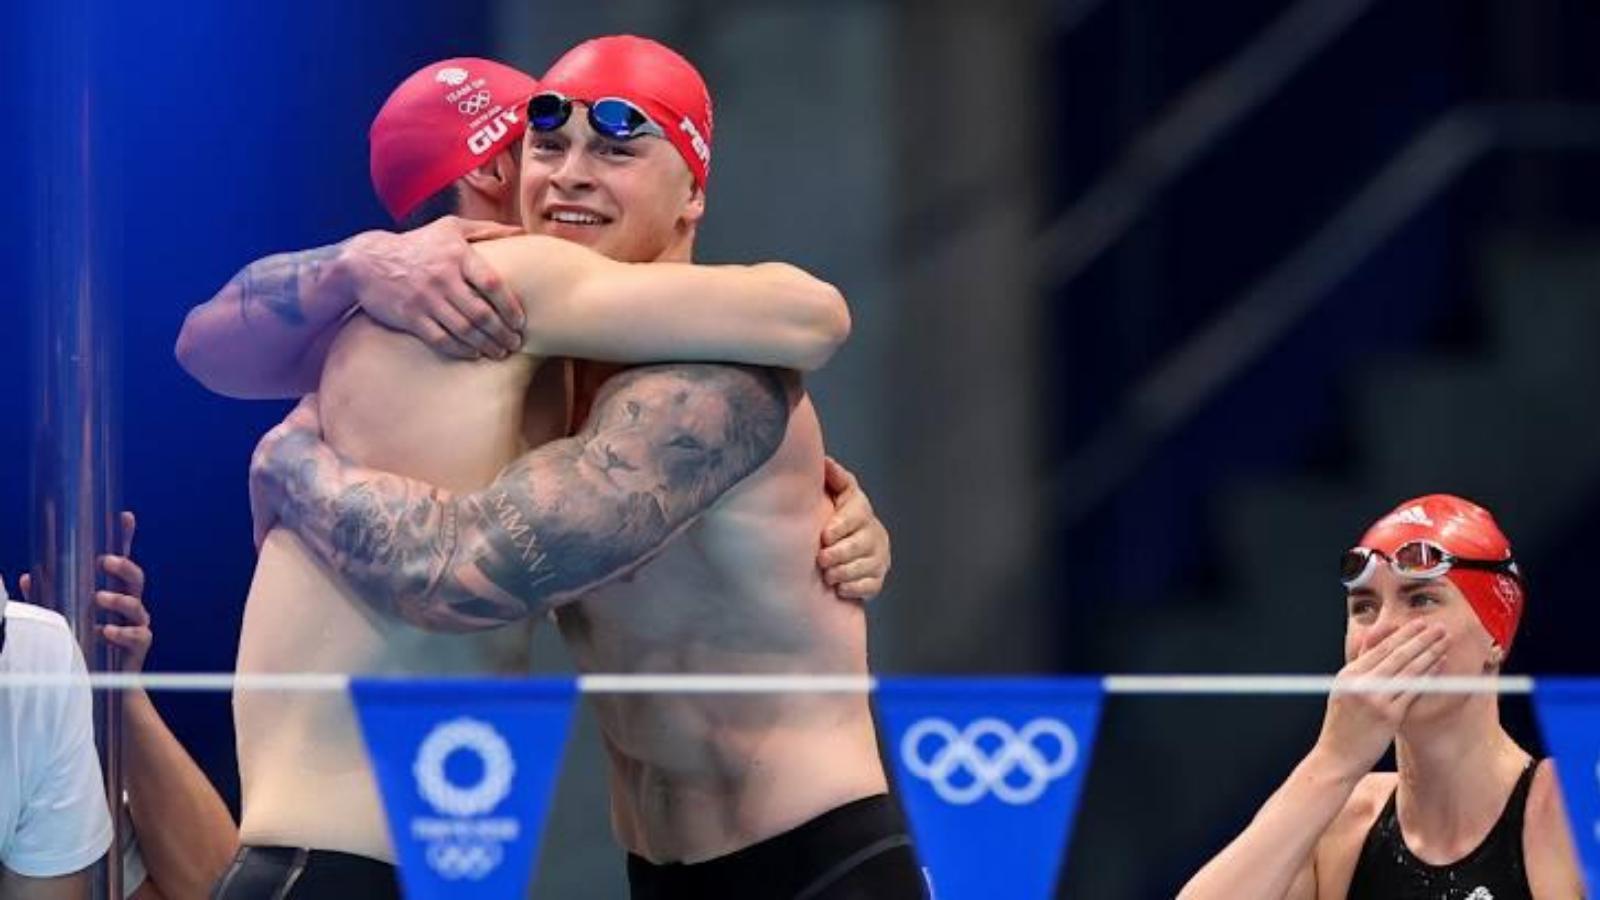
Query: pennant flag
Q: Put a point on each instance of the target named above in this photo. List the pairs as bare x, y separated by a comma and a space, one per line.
466, 770
1569, 717
990, 772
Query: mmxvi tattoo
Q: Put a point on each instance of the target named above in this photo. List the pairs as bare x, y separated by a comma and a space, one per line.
516, 529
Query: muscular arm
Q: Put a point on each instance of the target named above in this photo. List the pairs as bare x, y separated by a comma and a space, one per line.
265, 334
661, 445
584, 305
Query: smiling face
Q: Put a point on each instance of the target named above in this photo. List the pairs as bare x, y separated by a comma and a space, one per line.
632, 200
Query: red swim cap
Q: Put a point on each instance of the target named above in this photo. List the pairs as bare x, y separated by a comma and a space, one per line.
442, 122
1467, 530
652, 77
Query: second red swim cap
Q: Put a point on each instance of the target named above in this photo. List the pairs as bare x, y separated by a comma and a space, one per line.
441, 122
652, 77
1466, 530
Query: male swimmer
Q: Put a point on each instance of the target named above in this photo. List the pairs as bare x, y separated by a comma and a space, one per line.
392, 402
674, 532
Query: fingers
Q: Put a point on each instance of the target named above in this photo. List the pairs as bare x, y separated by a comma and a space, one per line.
485, 320
131, 610
482, 229
1416, 643
837, 477
849, 520
1380, 651
860, 589
444, 303
133, 638
507, 306
850, 571
856, 545
25, 585
129, 524
125, 570
443, 342
1424, 664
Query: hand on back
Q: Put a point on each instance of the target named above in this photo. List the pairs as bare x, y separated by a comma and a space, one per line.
430, 283
855, 554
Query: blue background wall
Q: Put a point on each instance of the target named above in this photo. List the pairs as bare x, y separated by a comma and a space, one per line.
231, 130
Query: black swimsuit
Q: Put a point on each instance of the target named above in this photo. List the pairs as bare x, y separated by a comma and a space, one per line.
295, 873
859, 851
1388, 870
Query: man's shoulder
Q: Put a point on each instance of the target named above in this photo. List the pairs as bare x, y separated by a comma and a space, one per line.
37, 616
36, 638
705, 376
740, 404
44, 625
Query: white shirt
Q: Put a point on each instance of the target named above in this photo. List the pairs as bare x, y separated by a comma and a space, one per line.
53, 817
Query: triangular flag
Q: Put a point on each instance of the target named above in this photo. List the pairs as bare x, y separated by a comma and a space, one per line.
1569, 717
466, 770
990, 772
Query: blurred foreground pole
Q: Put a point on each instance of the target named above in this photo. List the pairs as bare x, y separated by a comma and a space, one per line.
74, 315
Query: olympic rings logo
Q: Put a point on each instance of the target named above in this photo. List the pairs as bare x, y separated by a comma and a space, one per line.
471, 861
474, 736
475, 104
962, 751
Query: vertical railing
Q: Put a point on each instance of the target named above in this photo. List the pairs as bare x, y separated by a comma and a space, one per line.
72, 295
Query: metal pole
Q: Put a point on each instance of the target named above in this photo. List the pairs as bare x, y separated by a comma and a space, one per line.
74, 465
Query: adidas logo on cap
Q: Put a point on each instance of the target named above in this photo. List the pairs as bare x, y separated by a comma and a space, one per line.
1412, 515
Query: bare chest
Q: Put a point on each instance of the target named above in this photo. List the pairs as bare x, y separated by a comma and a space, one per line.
738, 592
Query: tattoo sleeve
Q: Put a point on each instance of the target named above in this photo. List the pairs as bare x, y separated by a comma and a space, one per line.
661, 445
276, 285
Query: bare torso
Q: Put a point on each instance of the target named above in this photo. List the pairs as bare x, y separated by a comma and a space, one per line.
739, 591
389, 402
693, 776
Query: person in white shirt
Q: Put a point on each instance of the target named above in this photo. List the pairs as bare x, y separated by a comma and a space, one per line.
53, 819
177, 834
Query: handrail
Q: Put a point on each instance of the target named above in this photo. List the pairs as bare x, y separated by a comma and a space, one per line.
1240, 684
1263, 313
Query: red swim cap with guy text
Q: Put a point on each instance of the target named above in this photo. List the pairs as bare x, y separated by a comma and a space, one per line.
442, 122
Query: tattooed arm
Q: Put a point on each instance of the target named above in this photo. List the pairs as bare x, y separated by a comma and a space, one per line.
267, 332
661, 445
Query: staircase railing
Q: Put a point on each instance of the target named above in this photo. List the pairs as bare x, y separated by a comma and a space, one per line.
1235, 339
